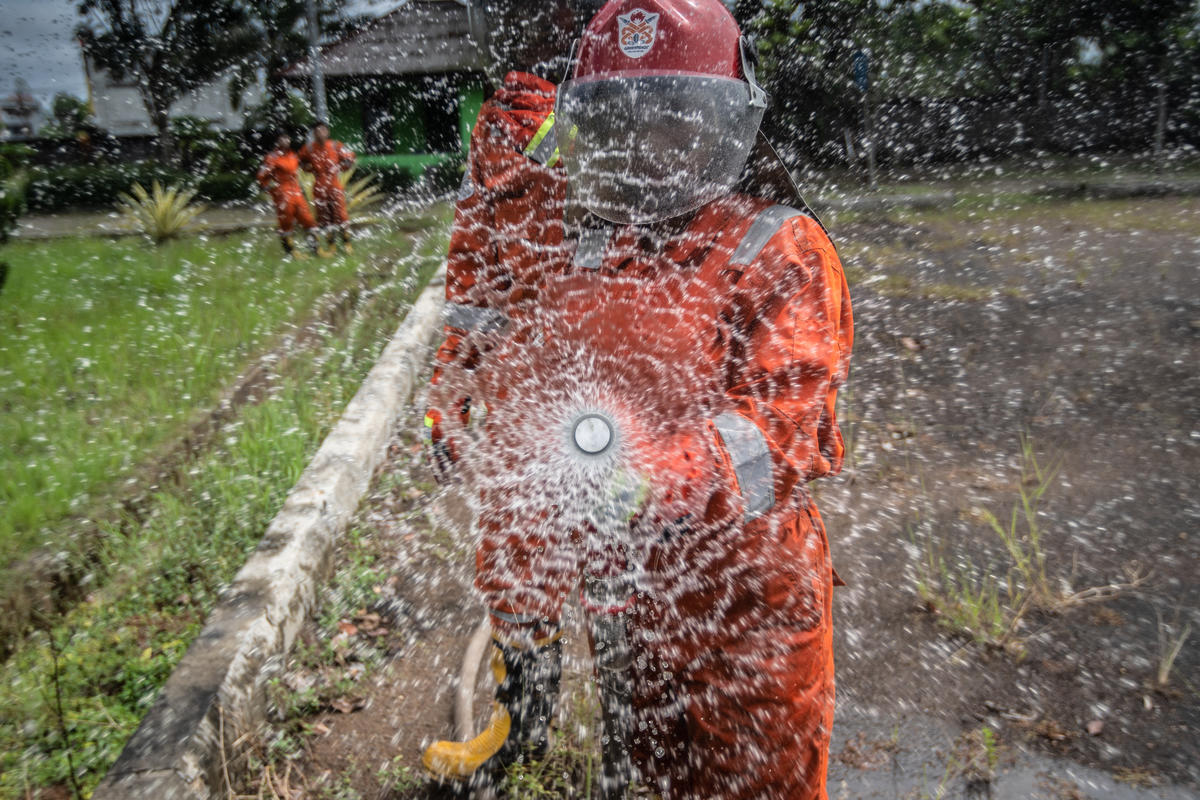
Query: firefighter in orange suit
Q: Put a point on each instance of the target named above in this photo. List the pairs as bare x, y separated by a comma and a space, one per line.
278, 175
506, 237
661, 404
327, 159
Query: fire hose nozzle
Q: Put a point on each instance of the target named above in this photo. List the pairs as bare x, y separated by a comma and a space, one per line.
593, 434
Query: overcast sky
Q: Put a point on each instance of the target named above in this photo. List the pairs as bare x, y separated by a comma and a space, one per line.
37, 43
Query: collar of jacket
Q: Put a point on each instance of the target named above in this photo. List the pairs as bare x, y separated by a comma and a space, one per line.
684, 240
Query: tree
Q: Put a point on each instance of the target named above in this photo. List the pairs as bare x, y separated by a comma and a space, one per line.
69, 116
166, 47
806, 52
1147, 62
280, 28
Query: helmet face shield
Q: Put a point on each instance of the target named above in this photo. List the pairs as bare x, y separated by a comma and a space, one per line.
651, 147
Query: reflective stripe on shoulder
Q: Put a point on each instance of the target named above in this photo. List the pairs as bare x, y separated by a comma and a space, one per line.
543, 147
589, 254
751, 459
760, 232
473, 318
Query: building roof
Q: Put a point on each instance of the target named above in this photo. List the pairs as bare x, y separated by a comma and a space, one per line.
420, 37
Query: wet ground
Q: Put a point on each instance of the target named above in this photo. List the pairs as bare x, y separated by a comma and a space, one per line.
987, 337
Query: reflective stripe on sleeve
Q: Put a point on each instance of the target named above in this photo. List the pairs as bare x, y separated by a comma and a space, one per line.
473, 318
760, 232
543, 147
751, 459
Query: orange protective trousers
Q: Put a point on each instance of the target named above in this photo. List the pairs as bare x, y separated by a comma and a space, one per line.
291, 207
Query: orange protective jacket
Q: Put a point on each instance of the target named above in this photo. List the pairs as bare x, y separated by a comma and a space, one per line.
278, 173
326, 161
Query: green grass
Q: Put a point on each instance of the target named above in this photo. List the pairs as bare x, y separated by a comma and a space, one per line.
110, 349
112, 653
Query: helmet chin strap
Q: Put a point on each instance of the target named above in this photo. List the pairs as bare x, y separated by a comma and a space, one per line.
758, 97
569, 72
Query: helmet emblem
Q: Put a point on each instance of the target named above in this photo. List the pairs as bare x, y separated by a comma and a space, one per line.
636, 32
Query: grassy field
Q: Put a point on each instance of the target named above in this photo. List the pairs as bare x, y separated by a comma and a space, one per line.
73, 691
112, 348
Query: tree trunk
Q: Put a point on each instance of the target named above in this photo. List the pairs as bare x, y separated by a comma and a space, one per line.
159, 109
279, 104
1044, 123
1160, 125
166, 145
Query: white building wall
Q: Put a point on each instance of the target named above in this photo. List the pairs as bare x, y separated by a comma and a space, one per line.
120, 111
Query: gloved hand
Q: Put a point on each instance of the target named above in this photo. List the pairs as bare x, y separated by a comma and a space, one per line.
441, 455
447, 437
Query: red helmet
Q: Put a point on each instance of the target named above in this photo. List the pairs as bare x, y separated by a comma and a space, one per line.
661, 111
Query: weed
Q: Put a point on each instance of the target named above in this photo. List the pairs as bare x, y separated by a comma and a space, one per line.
989, 608
1170, 642
396, 777
1022, 535
974, 760
1140, 777
974, 600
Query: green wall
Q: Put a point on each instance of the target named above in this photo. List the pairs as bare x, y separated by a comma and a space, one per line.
351, 100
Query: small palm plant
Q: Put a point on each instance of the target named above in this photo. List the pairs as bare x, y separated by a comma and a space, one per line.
159, 213
361, 194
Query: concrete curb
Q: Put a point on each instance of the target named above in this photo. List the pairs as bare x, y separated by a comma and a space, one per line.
216, 694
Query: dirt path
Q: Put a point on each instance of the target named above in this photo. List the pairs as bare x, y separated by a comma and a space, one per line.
1072, 327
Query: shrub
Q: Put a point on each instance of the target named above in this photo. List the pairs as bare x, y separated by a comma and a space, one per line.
446, 176
226, 186
13, 157
12, 201
60, 188
391, 178
362, 192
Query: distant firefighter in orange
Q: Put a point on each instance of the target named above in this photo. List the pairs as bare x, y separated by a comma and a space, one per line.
278, 175
326, 159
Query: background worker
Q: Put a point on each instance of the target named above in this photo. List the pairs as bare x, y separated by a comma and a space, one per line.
711, 325
507, 235
279, 176
327, 159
